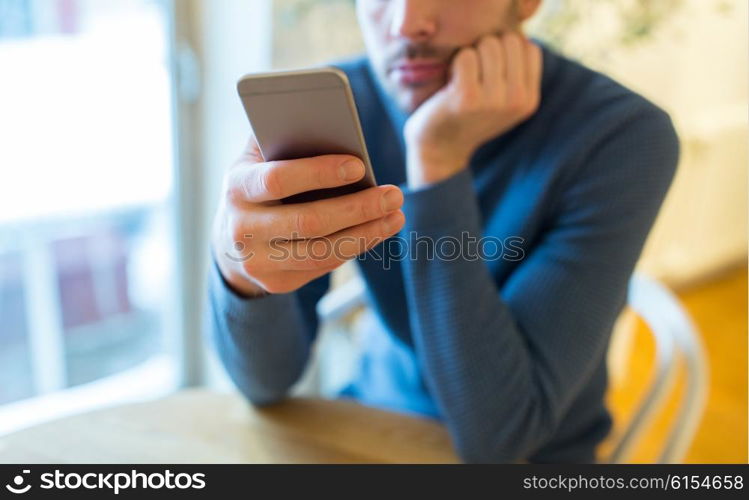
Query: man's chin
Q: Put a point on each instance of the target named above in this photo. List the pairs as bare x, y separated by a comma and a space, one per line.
409, 99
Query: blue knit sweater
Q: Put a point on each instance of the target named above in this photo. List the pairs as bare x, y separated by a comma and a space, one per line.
507, 349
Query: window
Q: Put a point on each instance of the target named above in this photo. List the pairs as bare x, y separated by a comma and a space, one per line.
85, 196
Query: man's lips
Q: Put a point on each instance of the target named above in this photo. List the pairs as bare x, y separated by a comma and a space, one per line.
416, 72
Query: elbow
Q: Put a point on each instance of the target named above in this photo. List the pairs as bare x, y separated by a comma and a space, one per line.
490, 449
261, 383
266, 389
264, 401
509, 438
477, 452
258, 396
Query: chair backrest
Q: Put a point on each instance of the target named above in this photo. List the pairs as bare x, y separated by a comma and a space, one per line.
675, 338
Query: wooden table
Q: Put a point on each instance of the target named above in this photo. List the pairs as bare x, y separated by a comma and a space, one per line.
199, 426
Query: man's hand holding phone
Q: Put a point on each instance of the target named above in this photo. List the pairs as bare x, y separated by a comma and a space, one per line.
264, 246
492, 87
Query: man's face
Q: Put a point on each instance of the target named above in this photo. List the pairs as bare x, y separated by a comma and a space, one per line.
411, 42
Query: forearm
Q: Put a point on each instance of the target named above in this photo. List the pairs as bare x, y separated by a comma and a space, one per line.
475, 359
263, 342
506, 355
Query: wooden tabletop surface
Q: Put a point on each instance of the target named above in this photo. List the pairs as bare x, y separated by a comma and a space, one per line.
199, 426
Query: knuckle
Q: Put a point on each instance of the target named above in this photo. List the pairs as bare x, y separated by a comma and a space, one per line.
517, 108
233, 189
307, 223
370, 209
469, 101
270, 182
497, 104
237, 232
320, 264
494, 42
252, 267
358, 210
246, 186
517, 102
513, 40
528, 108
318, 253
320, 175
372, 237
370, 232
234, 195
243, 228
349, 207
490, 45
237, 229
534, 103
382, 230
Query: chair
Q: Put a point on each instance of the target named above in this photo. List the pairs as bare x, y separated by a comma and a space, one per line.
675, 337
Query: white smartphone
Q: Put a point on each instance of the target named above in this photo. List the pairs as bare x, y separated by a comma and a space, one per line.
298, 114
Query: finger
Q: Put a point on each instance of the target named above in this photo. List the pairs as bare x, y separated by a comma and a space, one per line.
274, 180
491, 58
324, 217
330, 251
251, 152
514, 57
465, 69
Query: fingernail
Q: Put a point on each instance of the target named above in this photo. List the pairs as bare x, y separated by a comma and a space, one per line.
351, 170
392, 221
391, 200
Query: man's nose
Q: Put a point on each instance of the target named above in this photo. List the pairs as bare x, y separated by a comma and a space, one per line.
415, 20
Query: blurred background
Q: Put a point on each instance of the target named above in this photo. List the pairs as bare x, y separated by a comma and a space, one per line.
118, 118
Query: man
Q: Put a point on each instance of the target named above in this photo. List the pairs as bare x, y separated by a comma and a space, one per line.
474, 132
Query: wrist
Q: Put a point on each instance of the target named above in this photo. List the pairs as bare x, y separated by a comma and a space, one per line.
236, 282
430, 165
242, 286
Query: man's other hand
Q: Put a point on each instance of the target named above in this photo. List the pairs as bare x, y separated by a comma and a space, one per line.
491, 88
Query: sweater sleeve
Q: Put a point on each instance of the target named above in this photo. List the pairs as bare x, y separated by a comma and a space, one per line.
263, 342
504, 364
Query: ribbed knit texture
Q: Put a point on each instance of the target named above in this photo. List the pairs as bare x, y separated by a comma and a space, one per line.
508, 352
